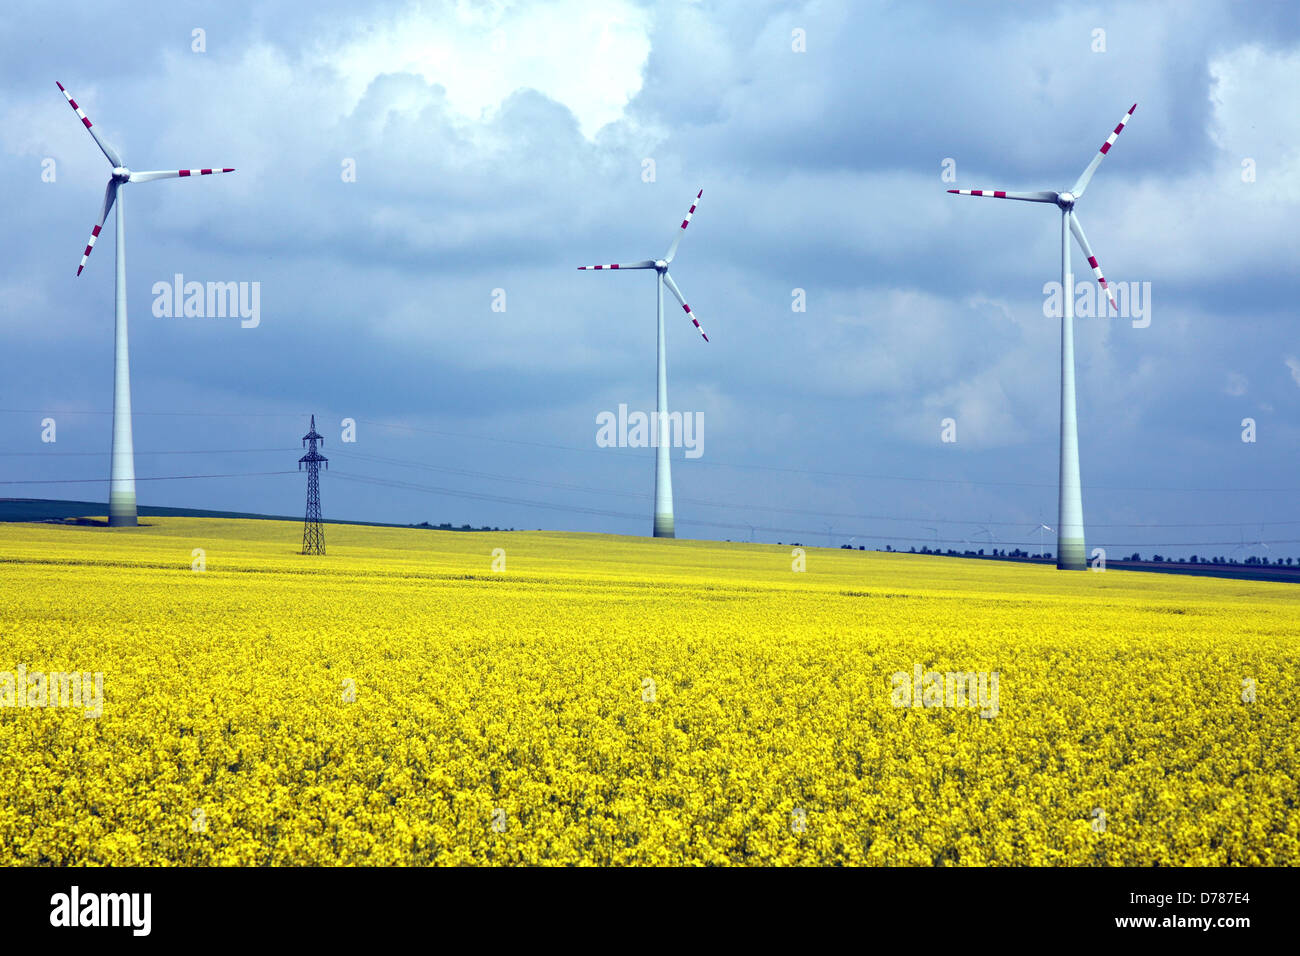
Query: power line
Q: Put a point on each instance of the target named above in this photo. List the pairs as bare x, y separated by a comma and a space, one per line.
804, 471
774, 509
601, 512
406, 463
80, 481
68, 411
565, 486
479, 496
614, 453
101, 454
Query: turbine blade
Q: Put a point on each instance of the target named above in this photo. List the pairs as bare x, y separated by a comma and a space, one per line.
668, 280
109, 195
1086, 176
643, 264
106, 149
1043, 196
151, 175
1077, 228
672, 250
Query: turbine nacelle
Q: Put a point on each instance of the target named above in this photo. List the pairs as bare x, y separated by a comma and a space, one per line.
122, 175
660, 266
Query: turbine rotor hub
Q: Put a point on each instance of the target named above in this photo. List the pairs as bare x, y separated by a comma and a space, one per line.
121, 174
1066, 200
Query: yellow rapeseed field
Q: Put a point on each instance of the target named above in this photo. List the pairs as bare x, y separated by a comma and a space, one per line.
606, 700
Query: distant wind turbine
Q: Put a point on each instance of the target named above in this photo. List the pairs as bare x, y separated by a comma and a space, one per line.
121, 490
1070, 547
1040, 528
663, 513
1251, 545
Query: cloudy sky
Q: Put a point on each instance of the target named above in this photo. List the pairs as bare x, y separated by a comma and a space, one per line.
498, 145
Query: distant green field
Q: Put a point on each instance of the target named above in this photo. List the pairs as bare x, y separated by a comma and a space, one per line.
42, 509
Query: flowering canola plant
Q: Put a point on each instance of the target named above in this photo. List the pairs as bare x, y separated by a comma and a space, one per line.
413, 698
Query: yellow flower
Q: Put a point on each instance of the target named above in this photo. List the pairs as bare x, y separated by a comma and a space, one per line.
399, 702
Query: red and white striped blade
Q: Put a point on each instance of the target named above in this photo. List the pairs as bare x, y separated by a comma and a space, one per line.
672, 250
109, 195
106, 149
643, 264
1045, 196
668, 280
1086, 176
1077, 229
151, 175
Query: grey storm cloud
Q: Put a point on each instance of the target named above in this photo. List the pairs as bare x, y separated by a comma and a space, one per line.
493, 153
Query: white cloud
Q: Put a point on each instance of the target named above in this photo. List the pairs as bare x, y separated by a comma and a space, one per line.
1294, 365
1254, 119
590, 62
985, 414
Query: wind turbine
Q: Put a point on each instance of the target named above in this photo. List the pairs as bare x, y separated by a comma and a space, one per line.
1071, 552
121, 489
1262, 544
1040, 528
663, 513
1251, 545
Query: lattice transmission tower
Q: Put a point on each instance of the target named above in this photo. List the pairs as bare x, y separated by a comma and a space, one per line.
313, 538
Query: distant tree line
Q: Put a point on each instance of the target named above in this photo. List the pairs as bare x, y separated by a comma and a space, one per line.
1253, 561
446, 526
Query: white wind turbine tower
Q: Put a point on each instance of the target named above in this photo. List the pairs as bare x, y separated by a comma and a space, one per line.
1070, 548
663, 513
121, 491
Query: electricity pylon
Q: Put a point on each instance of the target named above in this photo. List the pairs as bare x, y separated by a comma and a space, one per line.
313, 538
